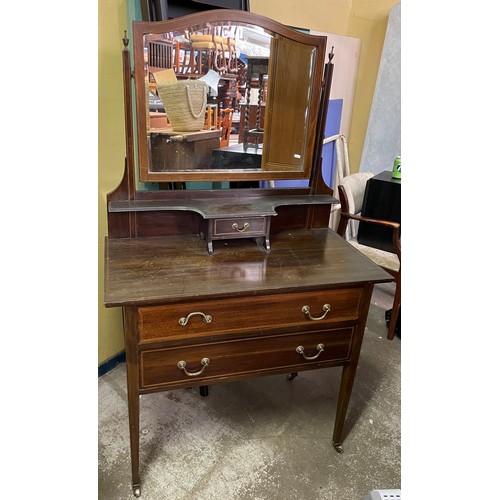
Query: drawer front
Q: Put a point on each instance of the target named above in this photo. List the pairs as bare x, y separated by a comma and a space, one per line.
160, 367
240, 226
249, 314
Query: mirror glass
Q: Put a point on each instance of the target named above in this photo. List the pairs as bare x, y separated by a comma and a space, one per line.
225, 100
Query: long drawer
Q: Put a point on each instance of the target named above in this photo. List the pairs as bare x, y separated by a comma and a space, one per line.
301, 311
175, 366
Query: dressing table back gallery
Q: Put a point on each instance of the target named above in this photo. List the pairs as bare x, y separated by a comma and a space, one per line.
238, 279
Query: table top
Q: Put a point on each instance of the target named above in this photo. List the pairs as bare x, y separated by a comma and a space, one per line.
155, 270
197, 135
386, 175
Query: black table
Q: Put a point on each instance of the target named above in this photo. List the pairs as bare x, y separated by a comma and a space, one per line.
382, 200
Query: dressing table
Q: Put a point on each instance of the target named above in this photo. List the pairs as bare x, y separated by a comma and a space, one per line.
218, 285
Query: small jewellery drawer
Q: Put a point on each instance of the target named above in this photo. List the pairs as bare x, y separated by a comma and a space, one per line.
244, 226
177, 366
236, 228
294, 311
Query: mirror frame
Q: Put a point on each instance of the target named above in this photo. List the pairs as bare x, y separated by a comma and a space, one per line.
141, 28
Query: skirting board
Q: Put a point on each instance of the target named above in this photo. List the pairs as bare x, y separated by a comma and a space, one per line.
111, 363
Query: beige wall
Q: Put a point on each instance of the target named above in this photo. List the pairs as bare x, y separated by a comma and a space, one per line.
363, 19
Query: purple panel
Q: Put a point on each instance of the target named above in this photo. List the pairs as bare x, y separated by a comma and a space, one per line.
332, 128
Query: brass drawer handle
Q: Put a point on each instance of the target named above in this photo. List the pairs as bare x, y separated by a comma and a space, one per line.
319, 347
182, 366
206, 318
307, 311
243, 229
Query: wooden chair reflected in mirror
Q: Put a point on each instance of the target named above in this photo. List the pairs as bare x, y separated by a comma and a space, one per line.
213, 49
351, 194
225, 125
211, 117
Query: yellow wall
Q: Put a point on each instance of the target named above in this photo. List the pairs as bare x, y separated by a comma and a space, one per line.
368, 22
331, 16
363, 19
111, 151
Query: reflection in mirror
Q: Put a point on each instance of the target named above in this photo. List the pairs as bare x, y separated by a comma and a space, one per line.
221, 122
226, 98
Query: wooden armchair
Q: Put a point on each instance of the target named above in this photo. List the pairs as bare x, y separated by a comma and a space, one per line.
351, 194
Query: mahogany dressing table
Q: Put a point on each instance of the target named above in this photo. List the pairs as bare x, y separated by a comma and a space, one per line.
201, 309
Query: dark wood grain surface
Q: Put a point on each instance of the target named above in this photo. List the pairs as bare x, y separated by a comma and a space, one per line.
213, 208
161, 270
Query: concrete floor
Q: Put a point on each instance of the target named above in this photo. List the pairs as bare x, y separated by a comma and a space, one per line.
265, 438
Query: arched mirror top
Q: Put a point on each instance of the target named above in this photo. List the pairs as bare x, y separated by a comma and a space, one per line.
226, 95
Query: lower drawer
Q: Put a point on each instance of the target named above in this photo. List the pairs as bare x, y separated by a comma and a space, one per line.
175, 366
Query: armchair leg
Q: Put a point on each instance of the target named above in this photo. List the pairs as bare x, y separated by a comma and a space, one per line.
397, 327
396, 311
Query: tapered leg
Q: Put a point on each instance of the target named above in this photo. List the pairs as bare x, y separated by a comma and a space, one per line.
133, 417
133, 395
348, 374
349, 370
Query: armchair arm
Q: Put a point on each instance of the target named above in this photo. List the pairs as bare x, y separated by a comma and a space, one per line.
381, 222
396, 228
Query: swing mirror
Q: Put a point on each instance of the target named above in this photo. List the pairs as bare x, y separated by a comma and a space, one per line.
225, 96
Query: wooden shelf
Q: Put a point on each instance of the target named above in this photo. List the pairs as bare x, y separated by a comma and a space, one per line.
250, 206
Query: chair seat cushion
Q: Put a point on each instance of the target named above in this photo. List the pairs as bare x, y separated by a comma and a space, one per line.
380, 257
201, 38
203, 45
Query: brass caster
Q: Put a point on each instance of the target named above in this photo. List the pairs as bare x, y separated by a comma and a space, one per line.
137, 490
338, 447
291, 376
